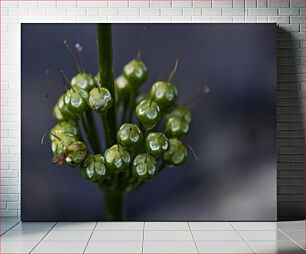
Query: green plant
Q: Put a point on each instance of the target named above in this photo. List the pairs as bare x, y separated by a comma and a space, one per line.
133, 152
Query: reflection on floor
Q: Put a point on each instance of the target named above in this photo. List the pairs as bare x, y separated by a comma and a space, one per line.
152, 237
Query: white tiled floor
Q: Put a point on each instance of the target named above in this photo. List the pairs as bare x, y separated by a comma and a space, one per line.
152, 237
101, 236
167, 235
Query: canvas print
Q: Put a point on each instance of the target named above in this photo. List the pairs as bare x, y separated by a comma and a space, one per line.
148, 122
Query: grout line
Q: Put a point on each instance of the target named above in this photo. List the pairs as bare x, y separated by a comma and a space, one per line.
273, 225
143, 231
233, 227
110, 231
164, 230
290, 238
121, 230
10, 228
42, 238
137, 241
246, 242
90, 236
166, 240
193, 237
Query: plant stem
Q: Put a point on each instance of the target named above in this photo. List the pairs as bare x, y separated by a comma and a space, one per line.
93, 142
107, 79
125, 107
114, 205
92, 126
107, 129
132, 104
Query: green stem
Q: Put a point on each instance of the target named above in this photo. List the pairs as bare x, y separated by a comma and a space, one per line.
93, 142
125, 107
114, 205
136, 184
107, 78
132, 104
107, 129
92, 126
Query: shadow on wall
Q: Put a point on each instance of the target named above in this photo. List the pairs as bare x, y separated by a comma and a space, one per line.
290, 131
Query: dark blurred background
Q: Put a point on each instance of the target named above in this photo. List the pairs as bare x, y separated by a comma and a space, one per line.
233, 130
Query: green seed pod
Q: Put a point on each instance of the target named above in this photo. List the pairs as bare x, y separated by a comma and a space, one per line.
176, 154
59, 145
60, 142
157, 144
56, 113
129, 135
117, 158
182, 112
177, 127
61, 112
76, 100
144, 167
93, 168
100, 99
164, 93
83, 81
68, 128
122, 89
135, 72
141, 98
76, 153
148, 113
97, 78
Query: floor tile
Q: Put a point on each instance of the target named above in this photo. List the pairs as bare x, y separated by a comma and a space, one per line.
9, 224
17, 247
216, 236
272, 235
9, 220
210, 226
5, 226
63, 226
252, 226
33, 226
60, 247
169, 247
166, 226
291, 225
119, 226
168, 235
276, 247
114, 247
23, 236
301, 243
4, 229
223, 247
99, 236
273, 224
69, 236
296, 235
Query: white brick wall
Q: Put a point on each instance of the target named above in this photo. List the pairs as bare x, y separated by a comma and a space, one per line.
288, 13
